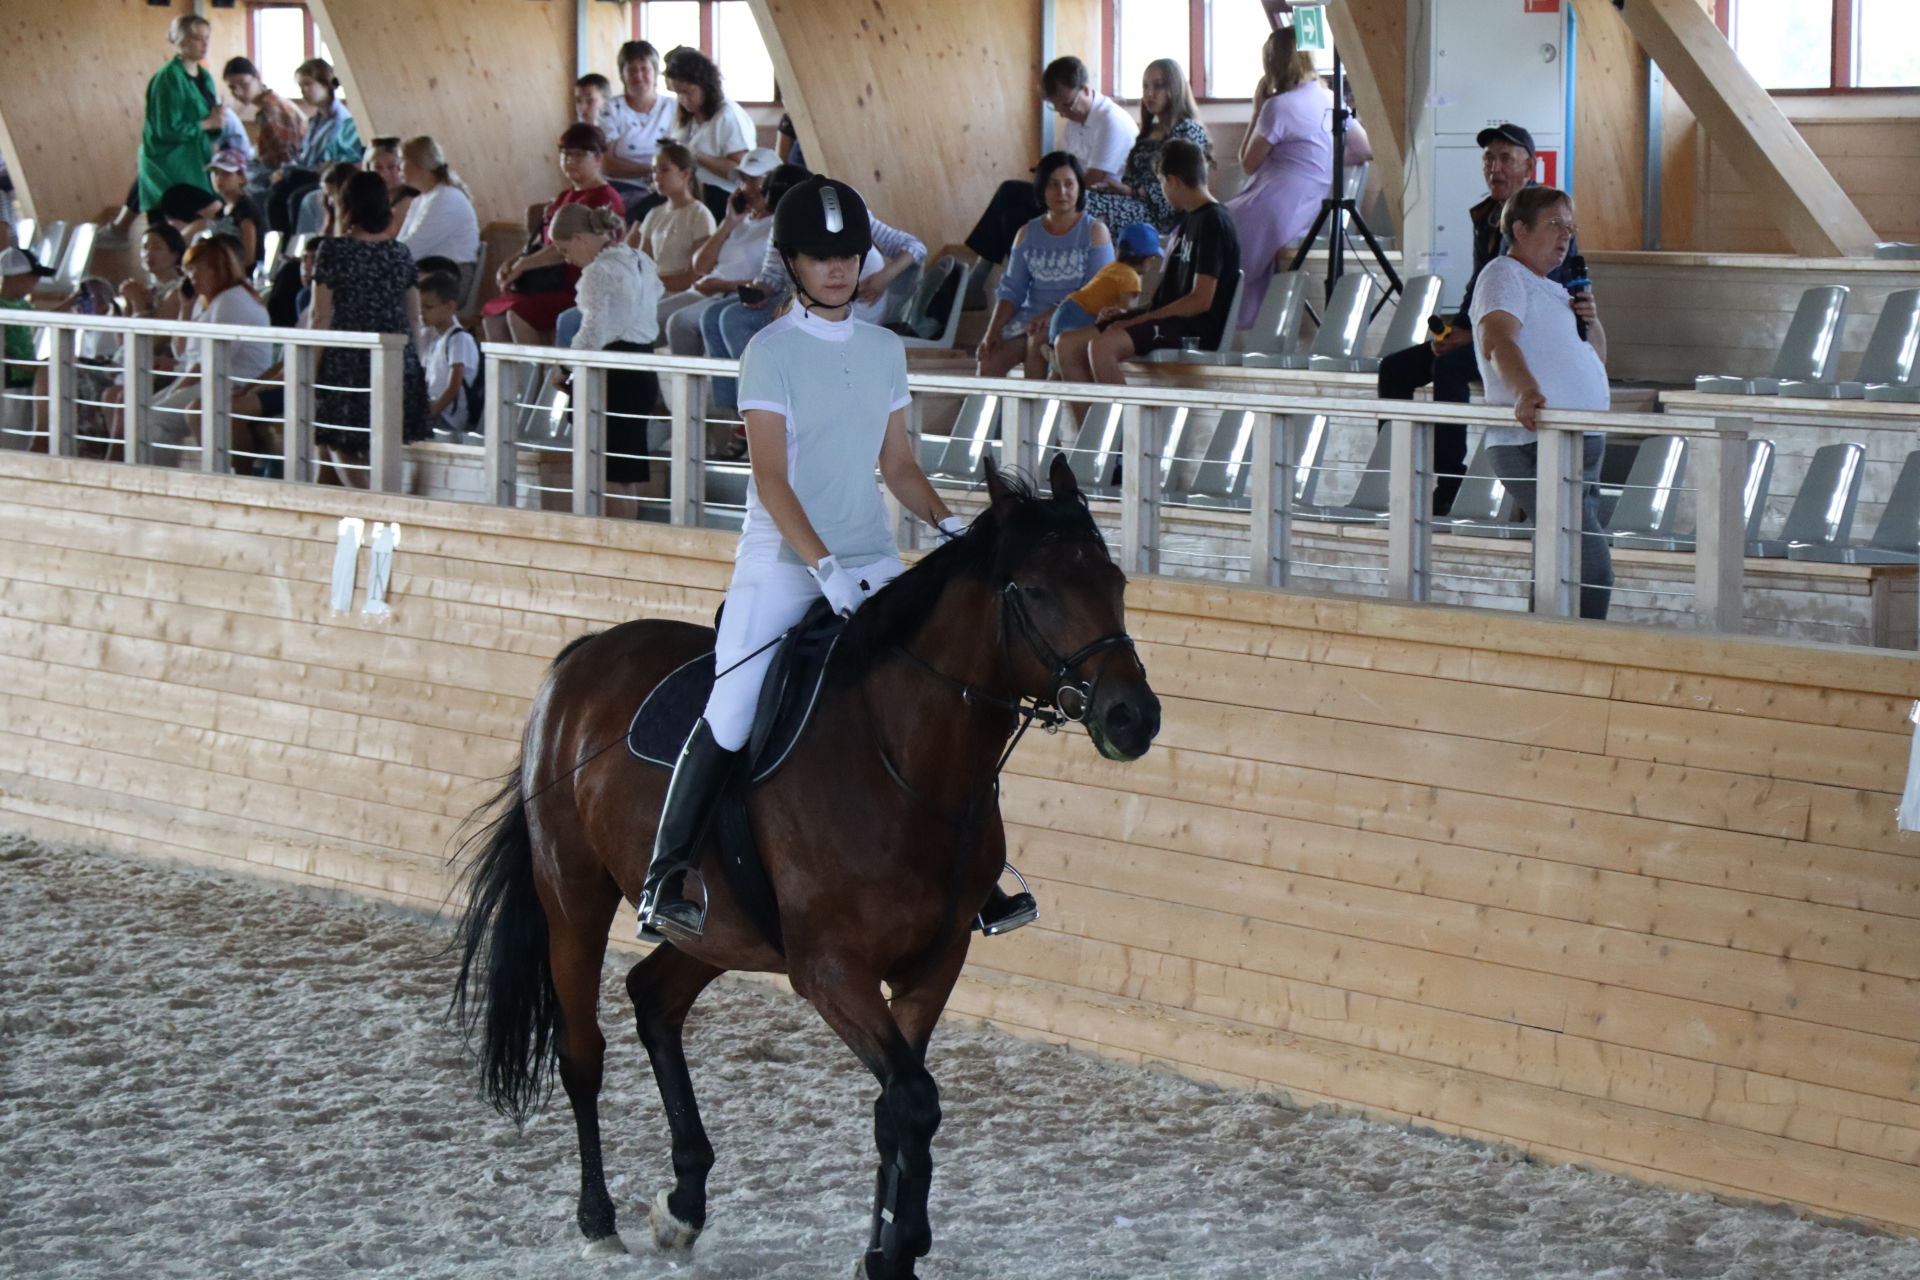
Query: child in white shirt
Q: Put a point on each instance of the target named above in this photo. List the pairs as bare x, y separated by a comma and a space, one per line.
452, 356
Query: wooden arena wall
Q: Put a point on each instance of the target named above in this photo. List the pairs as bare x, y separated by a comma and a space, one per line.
73, 94
1625, 898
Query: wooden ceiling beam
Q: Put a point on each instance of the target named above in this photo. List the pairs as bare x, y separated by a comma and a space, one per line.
1743, 120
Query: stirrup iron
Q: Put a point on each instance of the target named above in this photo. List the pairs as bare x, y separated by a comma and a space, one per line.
1021, 909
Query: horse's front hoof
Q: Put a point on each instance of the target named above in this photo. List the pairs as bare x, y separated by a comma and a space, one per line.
878, 1271
605, 1247
668, 1231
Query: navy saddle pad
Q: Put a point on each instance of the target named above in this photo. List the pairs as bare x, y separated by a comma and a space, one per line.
666, 717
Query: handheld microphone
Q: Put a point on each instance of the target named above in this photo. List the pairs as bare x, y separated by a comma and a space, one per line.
1579, 286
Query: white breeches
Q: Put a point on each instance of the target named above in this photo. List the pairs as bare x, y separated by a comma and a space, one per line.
764, 601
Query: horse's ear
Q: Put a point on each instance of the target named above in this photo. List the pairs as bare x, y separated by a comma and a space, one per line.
997, 491
1066, 486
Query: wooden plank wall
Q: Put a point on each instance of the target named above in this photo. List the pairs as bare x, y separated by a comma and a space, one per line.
1877, 160
924, 105
1640, 906
74, 94
489, 79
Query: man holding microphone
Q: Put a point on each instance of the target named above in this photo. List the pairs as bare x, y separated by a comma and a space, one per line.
1543, 347
1448, 360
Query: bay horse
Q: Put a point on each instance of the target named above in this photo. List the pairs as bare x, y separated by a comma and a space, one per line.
881, 836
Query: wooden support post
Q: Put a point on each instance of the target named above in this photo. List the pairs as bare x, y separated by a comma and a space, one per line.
296, 417
216, 426
1558, 487
589, 441
1371, 37
1743, 119
686, 448
1017, 423
501, 465
1409, 509
1140, 488
1270, 497
1719, 468
136, 376
60, 390
385, 450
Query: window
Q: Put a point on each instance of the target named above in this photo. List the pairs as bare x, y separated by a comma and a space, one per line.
724, 30
1825, 46
279, 38
1216, 42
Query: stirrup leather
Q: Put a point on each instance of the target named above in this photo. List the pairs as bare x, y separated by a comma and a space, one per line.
1020, 909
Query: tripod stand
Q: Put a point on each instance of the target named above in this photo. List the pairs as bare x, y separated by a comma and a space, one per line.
1339, 207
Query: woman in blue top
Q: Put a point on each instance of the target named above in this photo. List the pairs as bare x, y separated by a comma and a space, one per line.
1053, 255
331, 138
825, 398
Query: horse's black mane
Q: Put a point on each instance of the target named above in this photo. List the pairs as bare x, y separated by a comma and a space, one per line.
999, 538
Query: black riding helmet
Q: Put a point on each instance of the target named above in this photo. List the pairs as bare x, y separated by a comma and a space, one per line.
822, 217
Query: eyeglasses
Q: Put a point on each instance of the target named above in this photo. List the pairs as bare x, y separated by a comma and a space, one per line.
1561, 224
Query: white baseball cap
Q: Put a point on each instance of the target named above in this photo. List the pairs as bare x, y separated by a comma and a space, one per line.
757, 163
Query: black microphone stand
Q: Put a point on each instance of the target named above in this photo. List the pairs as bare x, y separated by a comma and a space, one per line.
1338, 208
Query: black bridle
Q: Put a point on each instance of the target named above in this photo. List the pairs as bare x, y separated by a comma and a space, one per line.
1071, 698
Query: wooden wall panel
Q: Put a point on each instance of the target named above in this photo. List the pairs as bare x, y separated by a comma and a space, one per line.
1639, 906
74, 92
1610, 129
924, 105
488, 78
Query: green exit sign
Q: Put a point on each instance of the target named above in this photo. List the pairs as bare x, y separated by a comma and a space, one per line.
1310, 29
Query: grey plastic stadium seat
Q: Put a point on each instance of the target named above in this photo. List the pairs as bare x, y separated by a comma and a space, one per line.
1753, 505
1889, 358
1220, 480
1095, 450
1806, 354
1275, 330
1649, 502
1896, 539
74, 261
1822, 512
26, 233
1368, 505
52, 242
270, 258
1172, 354
1483, 507
950, 322
901, 293
972, 433
1896, 249
1341, 329
1418, 299
726, 489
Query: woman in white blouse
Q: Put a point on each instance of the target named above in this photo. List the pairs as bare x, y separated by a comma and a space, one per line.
440, 221
619, 297
714, 127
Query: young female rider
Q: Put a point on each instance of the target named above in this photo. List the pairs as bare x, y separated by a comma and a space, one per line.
825, 399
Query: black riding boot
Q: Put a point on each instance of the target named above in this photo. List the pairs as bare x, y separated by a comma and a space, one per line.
691, 798
1005, 911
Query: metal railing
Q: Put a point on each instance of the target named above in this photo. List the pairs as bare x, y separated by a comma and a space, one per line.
523, 423
53, 414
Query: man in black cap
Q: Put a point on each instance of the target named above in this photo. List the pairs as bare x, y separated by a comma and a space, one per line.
1448, 362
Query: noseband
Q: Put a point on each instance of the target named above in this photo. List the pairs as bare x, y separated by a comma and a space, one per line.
1072, 698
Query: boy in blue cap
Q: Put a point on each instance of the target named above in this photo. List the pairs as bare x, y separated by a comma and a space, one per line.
1115, 285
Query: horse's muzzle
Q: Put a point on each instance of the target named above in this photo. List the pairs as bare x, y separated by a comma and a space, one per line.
1125, 722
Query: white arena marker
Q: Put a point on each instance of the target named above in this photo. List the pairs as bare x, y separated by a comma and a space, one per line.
1910, 796
346, 560
385, 538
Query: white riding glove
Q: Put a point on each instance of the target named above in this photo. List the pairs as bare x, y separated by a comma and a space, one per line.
952, 527
842, 588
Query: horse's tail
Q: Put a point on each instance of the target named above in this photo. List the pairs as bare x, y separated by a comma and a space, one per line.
507, 998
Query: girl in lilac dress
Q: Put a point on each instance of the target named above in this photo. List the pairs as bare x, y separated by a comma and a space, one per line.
1288, 157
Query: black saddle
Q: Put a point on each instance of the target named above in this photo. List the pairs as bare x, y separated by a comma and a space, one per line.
665, 719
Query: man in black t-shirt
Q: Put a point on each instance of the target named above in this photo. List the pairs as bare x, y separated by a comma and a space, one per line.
1195, 297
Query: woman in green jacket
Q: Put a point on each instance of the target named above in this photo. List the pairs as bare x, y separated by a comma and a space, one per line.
184, 115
